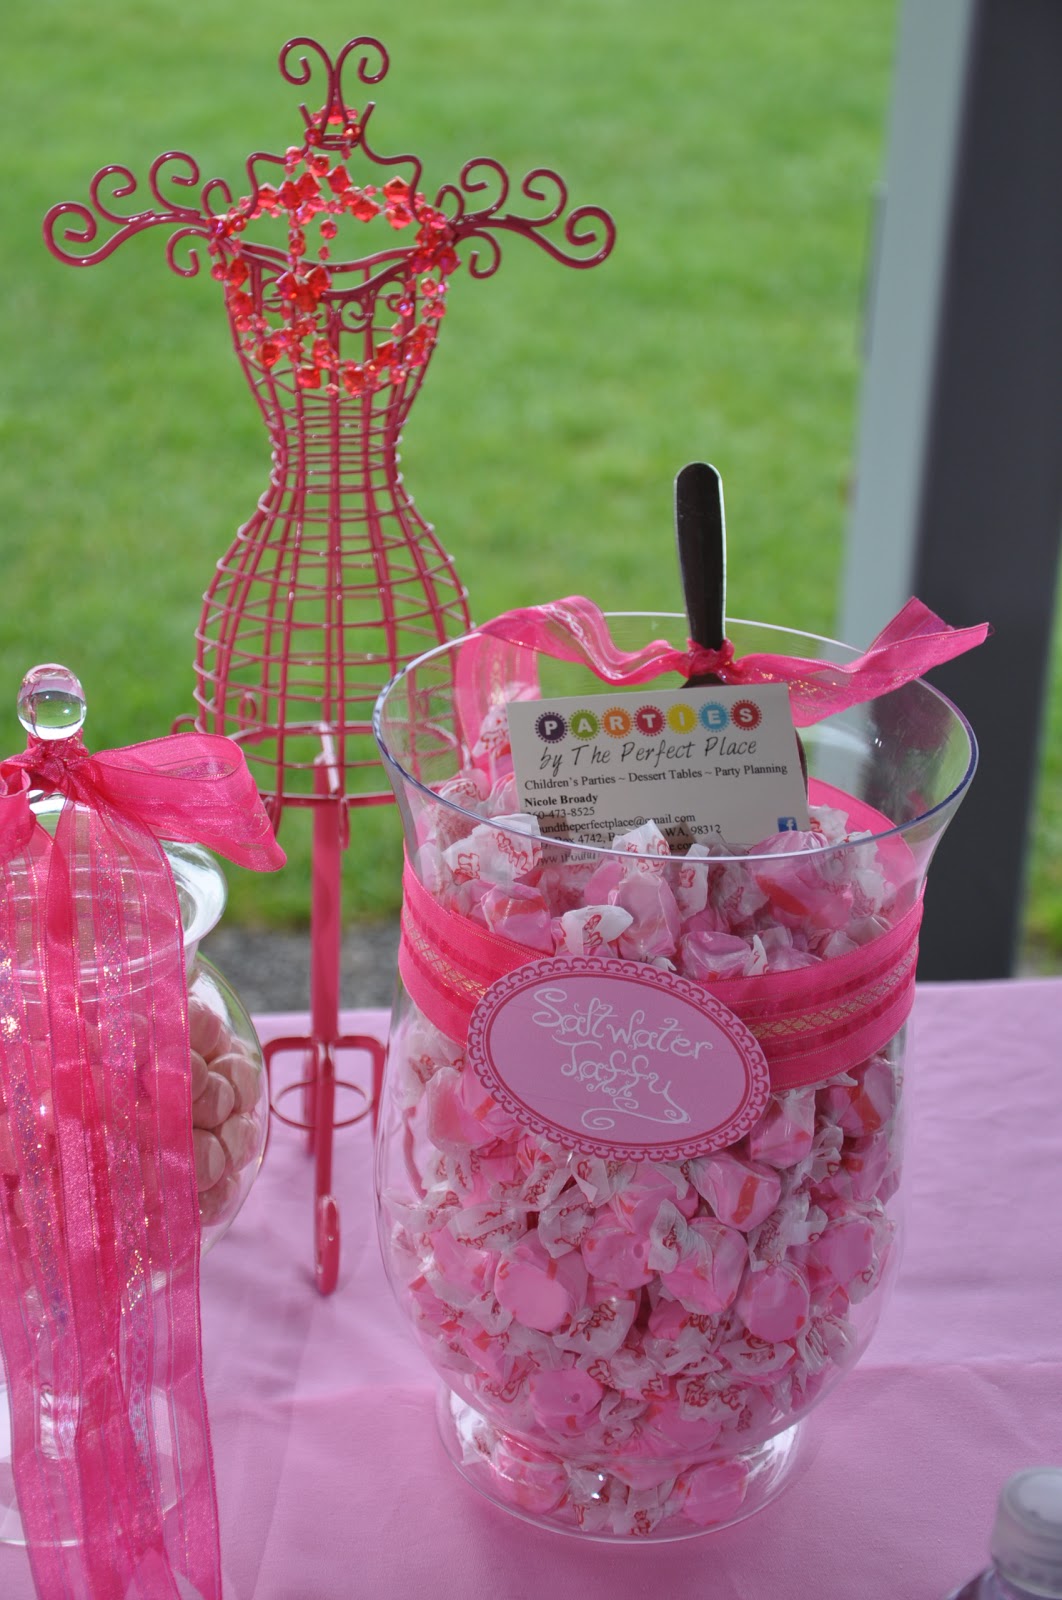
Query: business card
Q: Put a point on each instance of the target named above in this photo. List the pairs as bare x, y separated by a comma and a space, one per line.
704, 764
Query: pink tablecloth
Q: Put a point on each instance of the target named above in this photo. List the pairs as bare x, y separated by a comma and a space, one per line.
333, 1483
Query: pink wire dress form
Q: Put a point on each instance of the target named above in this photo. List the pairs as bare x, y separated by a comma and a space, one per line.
335, 581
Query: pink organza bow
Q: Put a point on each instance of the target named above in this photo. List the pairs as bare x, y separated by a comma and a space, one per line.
99, 1217
575, 630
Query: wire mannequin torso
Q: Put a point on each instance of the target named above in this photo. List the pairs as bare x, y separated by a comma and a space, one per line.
335, 581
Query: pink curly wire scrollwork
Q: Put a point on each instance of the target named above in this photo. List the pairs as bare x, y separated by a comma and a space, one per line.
71, 226
479, 225
335, 100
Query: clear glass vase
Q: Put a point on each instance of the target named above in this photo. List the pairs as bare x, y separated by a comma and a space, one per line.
629, 1345
230, 1121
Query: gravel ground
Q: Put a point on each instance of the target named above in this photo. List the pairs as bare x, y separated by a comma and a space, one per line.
271, 971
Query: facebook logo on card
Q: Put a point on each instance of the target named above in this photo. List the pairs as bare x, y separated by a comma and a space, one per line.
787, 824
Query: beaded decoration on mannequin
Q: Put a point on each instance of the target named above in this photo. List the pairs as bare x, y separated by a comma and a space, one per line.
335, 581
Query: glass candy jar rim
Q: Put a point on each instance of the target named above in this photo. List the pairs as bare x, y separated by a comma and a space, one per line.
864, 837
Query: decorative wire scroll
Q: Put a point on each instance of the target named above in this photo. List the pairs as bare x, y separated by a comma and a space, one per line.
335, 581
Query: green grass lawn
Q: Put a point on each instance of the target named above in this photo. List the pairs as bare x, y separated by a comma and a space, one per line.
736, 142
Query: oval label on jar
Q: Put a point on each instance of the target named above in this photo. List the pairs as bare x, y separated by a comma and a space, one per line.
615, 1058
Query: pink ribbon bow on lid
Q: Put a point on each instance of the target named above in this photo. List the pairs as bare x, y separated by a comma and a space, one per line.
100, 1231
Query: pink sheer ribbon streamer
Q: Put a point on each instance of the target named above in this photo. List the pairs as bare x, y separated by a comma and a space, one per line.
811, 1023
575, 630
99, 1215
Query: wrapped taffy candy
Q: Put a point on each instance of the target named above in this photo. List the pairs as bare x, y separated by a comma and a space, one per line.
230, 1099
640, 1140
228, 1085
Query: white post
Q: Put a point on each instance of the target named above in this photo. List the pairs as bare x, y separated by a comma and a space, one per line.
907, 278
959, 498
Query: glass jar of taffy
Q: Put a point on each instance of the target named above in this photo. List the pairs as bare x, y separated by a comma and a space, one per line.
133, 1103
640, 1139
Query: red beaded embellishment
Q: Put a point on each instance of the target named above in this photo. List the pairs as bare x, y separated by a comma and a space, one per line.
298, 322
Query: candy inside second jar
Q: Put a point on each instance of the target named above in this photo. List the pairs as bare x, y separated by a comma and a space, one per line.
228, 1082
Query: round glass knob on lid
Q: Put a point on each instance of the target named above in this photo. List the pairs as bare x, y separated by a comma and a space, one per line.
51, 702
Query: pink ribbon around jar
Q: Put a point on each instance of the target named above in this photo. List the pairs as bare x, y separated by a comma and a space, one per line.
810, 1024
99, 1302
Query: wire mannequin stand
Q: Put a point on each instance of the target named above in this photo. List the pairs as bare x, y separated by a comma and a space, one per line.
335, 581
